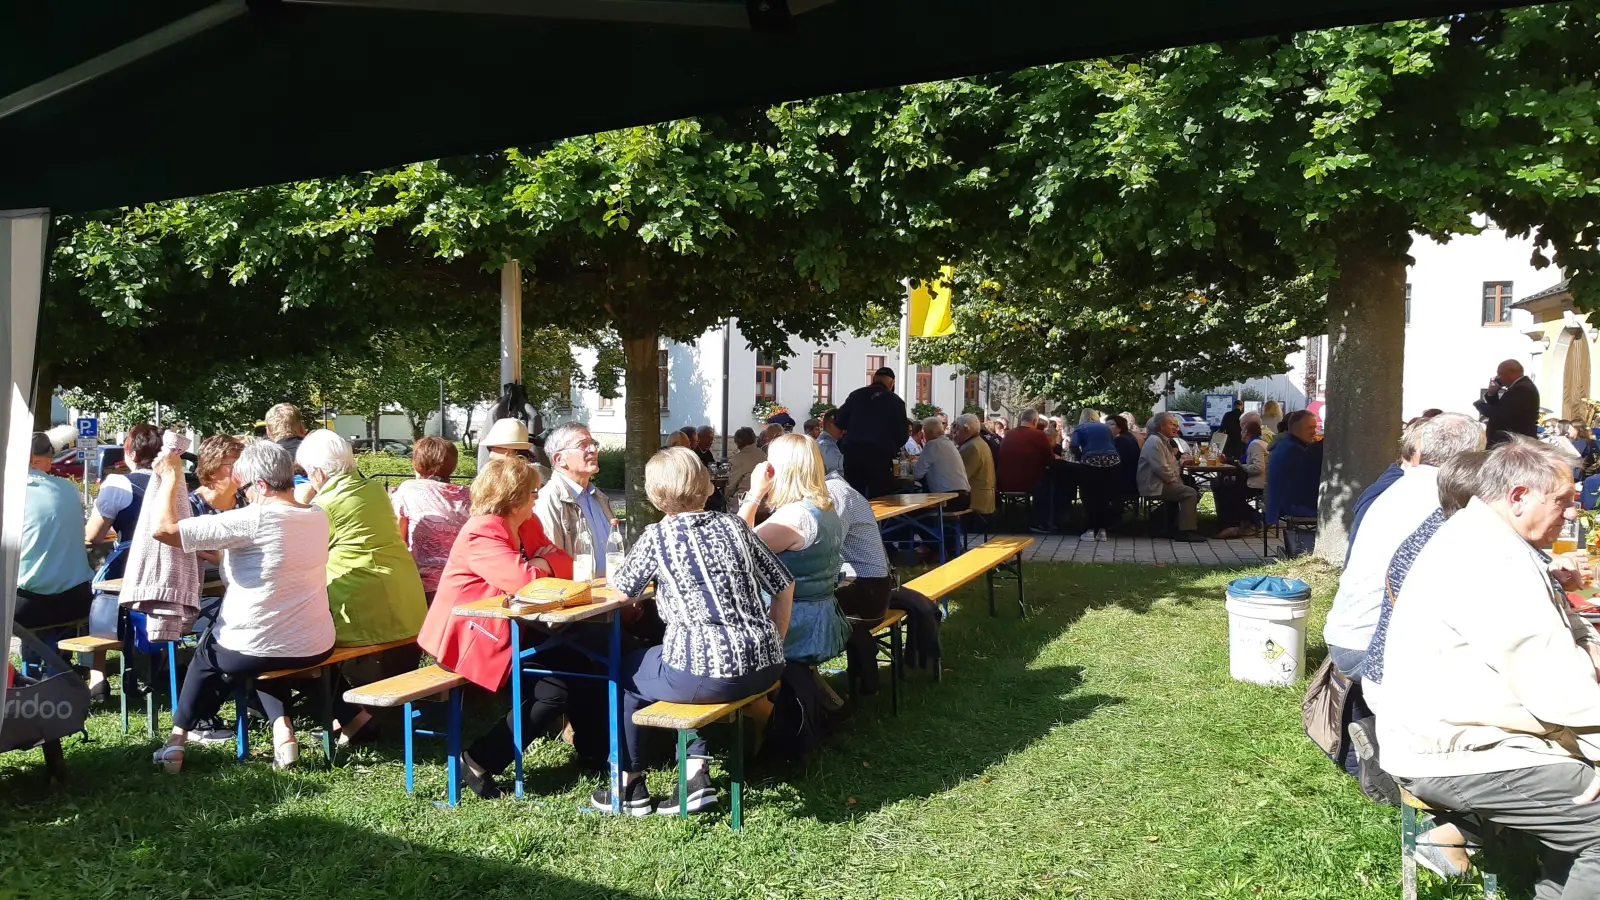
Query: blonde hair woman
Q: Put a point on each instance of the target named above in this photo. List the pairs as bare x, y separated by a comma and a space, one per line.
1271, 415
722, 643
807, 535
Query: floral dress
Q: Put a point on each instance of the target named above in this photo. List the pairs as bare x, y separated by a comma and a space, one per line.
434, 512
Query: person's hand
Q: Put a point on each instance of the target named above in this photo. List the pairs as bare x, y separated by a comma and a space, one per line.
1590, 793
1567, 570
169, 464
760, 483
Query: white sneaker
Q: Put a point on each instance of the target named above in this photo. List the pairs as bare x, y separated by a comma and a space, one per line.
1087, 536
1100, 535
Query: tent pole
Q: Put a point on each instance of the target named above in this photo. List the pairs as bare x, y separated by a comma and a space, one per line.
905, 385
727, 349
511, 322
22, 264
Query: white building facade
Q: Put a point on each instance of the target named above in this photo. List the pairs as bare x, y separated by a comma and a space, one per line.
690, 383
1461, 322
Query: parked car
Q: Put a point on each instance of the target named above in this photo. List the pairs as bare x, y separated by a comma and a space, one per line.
112, 463
391, 446
1192, 425
68, 465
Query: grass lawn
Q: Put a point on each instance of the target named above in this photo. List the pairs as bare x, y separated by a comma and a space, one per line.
1097, 749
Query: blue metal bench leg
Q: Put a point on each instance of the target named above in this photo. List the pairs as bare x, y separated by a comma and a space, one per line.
411, 721
241, 708
453, 742
172, 677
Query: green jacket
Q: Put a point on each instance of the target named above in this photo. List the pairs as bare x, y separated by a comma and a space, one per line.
373, 585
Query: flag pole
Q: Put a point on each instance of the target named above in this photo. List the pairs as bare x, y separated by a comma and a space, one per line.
905, 384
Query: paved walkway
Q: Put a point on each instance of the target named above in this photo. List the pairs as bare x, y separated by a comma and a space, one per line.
1124, 549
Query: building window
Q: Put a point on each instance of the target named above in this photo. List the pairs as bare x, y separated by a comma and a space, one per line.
874, 363
1408, 303
924, 384
822, 378
606, 403
969, 392
661, 377
1496, 302
766, 377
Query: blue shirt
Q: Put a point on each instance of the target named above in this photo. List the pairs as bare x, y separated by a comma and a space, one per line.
1093, 439
599, 519
53, 555
832, 457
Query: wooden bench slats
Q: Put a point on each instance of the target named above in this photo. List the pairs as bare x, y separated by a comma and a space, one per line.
968, 566
690, 715
339, 655
402, 689
88, 644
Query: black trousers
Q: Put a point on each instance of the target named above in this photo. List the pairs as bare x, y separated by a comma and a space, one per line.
1231, 495
868, 469
208, 683
1098, 487
544, 701
864, 602
36, 611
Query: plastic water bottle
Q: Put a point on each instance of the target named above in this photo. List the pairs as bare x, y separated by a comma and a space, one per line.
582, 556
616, 549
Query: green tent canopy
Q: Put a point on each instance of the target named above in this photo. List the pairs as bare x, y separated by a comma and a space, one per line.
113, 102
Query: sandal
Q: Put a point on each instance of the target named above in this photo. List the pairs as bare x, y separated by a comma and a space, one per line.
169, 758
285, 755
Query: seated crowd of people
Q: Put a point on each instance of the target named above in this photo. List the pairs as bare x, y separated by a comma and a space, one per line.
1475, 685
314, 556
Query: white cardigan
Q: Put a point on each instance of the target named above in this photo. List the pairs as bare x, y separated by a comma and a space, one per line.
1483, 670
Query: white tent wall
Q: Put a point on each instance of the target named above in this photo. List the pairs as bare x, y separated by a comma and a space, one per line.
22, 247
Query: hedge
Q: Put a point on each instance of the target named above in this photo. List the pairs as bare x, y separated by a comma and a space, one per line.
612, 466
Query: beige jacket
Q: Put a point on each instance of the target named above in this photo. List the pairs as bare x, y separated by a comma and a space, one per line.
979, 463
1483, 669
559, 513
740, 465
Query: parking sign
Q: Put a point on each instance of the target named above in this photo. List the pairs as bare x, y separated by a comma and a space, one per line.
88, 427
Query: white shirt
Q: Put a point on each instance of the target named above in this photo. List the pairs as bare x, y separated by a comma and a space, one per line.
116, 494
912, 448
1389, 521
275, 561
941, 463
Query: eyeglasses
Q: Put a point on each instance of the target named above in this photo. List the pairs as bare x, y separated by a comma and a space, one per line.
585, 447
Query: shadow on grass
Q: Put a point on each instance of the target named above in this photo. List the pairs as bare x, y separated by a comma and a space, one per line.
118, 829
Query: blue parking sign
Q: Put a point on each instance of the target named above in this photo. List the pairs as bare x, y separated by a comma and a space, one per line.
88, 427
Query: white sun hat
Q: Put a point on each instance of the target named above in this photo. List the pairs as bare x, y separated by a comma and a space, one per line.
508, 433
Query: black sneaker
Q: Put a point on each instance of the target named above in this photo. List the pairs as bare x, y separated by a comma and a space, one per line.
635, 799
482, 785
701, 796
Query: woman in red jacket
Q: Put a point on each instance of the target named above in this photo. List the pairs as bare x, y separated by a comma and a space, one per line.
498, 551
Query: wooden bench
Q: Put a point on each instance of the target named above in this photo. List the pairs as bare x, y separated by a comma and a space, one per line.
406, 689
1410, 805
888, 634
999, 553
685, 717
323, 672
90, 644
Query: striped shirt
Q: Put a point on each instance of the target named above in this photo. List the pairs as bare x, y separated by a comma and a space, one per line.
712, 575
862, 554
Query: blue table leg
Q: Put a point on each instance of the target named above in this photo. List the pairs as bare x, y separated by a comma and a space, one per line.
614, 706
942, 560
411, 719
516, 704
453, 742
172, 675
241, 708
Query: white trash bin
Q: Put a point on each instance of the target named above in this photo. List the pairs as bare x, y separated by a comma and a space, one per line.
1267, 629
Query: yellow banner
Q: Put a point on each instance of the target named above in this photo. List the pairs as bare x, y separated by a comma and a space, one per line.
930, 307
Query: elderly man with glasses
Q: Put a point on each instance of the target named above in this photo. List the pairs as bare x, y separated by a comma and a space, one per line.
571, 501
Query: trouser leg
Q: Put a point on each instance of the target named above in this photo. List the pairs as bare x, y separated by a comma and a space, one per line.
1187, 500
546, 701
1535, 801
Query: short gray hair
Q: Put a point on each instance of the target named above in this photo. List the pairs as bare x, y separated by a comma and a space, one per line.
1157, 420
1444, 437
933, 427
1521, 460
969, 422
325, 450
1458, 480
1027, 415
566, 437
266, 462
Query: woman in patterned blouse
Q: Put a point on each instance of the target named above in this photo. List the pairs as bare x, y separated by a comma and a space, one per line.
712, 576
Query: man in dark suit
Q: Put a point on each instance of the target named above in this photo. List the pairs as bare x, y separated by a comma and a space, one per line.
1233, 448
874, 422
1510, 404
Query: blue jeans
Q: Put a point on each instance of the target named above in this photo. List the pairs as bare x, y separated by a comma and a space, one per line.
647, 679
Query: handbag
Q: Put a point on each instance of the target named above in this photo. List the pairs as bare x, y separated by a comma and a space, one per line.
550, 593
1322, 712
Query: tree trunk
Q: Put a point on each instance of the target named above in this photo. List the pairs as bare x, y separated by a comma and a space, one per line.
643, 416
1366, 363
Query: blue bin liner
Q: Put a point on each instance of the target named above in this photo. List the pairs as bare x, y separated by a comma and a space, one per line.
1269, 586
